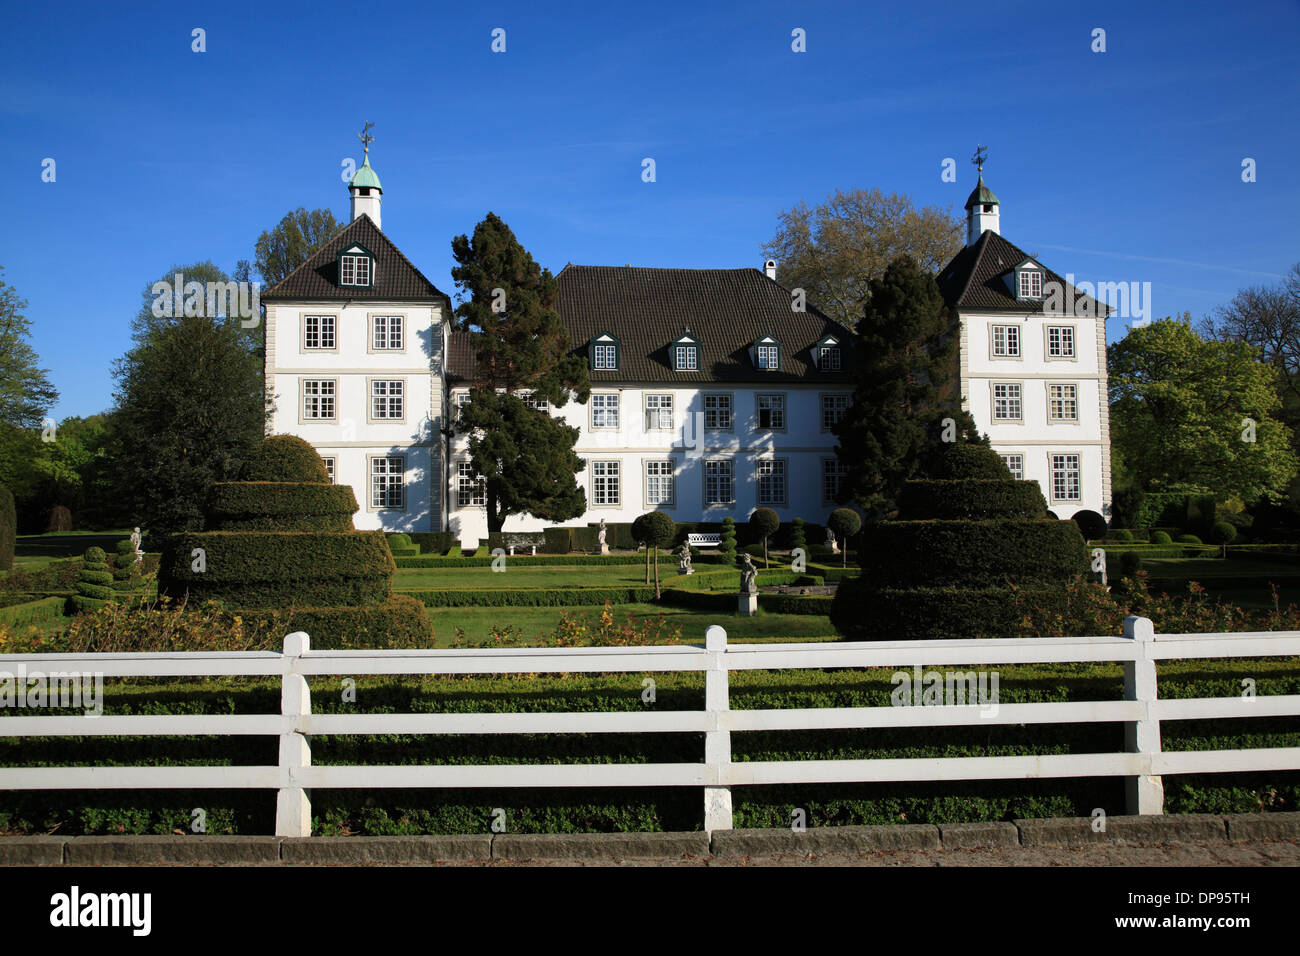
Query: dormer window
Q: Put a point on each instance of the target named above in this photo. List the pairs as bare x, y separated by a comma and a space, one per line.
828, 354
356, 267
767, 354
685, 352
603, 352
1028, 283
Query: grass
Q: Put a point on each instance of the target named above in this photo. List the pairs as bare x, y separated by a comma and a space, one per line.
477, 621
523, 577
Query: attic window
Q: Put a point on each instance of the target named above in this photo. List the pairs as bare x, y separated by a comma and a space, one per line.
1031, 284
603, 350
687, 358
356, 267
828, 358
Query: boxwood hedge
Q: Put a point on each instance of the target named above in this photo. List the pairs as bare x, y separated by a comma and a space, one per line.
971, 498
280, 506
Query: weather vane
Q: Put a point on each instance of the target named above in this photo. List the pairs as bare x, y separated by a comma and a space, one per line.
981, 154
365, 137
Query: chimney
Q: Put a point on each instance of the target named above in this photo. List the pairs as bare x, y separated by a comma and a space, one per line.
770, 268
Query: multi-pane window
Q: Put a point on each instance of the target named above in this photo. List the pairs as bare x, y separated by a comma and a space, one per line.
1015, 464
769, 356
1006, 402
604, 357
318, 398
659, 483
719, 483
1060, 341
329, 467
532, 401
1031, 284
471, 490
319, 333
658, 411
605, 483
1006, 341
833, 408
771, 482
604, 410
688, 358
386, 489
717, 412
1063, 403
1065, 477
771, 411
386, 399
355, 270
832, 473
386, 332
828, 358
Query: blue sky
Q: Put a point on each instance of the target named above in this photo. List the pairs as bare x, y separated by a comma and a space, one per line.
1115, 166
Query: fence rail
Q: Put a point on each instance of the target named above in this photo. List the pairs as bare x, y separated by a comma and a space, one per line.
1142, 763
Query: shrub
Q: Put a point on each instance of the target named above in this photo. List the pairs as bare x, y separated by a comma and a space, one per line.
1222, 532
1130, 563
280, 506
8, 529
399, 540
846, 523
433, 542
1189, 539
971, 498
727, 544
1161, 537
285, 458
1091, 524
798, 539
958, 460
94, 557
60, 519
1122, 534
557, 540
764, 523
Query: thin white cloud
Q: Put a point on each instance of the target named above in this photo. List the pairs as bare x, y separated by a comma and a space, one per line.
1164, 261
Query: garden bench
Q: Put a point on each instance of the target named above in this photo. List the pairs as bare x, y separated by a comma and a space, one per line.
704, 540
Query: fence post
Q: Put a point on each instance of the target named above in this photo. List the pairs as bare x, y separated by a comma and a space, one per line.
1145, 793
293, 803
717, 742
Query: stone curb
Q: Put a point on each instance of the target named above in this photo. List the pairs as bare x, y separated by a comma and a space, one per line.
963, 836
1264, 826
27, 851
171, 849
909, 836
599, 846
385, 849
1124, 830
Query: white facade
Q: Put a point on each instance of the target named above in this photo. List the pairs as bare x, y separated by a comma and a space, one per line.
668, 453
368, 411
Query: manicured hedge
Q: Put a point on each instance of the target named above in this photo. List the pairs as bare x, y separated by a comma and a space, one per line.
280, 506
33, 612
540, 560
976, 554
255, 569
932, 613
398, 622
532, 597
795, 603
971, 498
433, 542
285, 458
8, 529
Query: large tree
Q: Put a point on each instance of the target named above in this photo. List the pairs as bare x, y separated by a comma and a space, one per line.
1186, 411
190, 404
904, 360
291, 242
521, 348
834, 250
26, 394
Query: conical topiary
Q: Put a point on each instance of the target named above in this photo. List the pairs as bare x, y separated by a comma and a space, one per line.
94, 582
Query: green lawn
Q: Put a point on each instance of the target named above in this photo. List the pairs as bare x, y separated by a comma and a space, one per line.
530, 620
517, 577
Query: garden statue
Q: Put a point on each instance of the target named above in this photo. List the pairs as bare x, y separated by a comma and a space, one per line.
748, 575
684, 567
600, 538
831, 542
135, 543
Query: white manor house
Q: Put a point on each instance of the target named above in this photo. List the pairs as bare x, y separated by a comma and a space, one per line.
711, 396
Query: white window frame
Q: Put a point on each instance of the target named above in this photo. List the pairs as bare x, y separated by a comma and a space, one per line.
658, 415
829, 358
333, 396
687, 358
1065, 403
391, 323
371, 408
1028, 279
1065, 474
664, 472
321, 332
729, 478
1019, 401
600, 402
1010, 349
355, 260
371, 486
758, 411
1063, 332
607, 474
539, 404
330, 465
768, 357
604, 357
778, 474
1017, 473
469, 485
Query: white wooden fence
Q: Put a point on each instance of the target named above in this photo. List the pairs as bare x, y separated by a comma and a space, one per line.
1143, 763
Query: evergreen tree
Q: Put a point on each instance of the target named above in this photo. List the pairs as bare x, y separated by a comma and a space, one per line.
521, 348
904, 365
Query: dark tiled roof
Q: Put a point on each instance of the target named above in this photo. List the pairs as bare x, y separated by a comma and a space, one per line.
395, 277
726, 310
974, 279
460, 358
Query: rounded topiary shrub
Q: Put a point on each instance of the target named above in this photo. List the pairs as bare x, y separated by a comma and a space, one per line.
959, 460
1161, 537
95, 558
1222, 532
798, 538
285, 458
1189, 539
1091, 524
1122, 534
971, 498
1130, 562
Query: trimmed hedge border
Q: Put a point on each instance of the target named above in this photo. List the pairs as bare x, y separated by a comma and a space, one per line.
280, 506
33, 612
541, 560
971, 498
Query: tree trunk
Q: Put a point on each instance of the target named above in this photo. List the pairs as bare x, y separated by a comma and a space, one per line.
766, 563
844, 553
647, 565
656, 563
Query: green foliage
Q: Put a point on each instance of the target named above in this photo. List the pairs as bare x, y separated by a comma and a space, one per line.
1091, 524
520, 345
540, 560
35, 612
971, 498
8, 529
764, 523
904, 364
1223, 532
1121, 534
1188, 539
26, 393
531, 597
659, 529
1161, 537
399, 541
292, 242
256, 569
280, 505
284, 458
95, 557
433, 542
953, 461
797, 537
845, 522
1130, 563
727, 542
1178, 405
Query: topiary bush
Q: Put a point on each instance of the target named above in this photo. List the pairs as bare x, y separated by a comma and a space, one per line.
1161, 537
727, 541
8, 529
1122, 534
1222, 532
1130, 563
764, 523
1091, 524
961, 460
798, 538
1189, 539
94, 585
285, 458
845, 522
